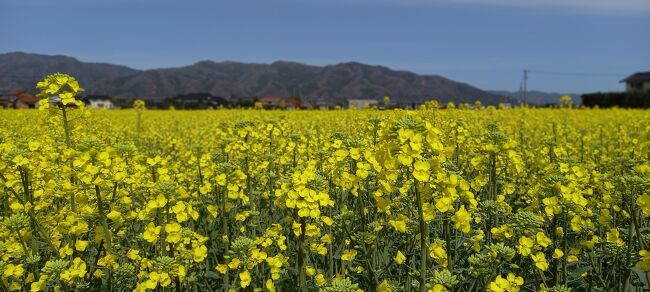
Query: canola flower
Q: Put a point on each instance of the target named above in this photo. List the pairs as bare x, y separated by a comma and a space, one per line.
355, 200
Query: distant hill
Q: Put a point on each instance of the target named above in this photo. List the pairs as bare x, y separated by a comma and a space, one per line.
21, 70
332, 84
536, 97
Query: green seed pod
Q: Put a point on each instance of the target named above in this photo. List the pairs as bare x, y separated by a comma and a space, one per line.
165, 264
340, 285
55, 267
16, 222
445, 278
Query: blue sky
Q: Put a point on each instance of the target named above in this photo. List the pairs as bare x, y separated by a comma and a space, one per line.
486, 43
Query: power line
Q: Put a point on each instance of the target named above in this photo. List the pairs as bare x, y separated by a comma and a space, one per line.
543, 72
525, 85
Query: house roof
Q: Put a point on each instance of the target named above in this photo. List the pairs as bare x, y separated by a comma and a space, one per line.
27, 98
638, 77
18, 92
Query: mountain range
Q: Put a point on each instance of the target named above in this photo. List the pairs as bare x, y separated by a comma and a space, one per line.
330, 84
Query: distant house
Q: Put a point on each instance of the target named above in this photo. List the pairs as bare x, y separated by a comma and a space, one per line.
23, 99
322, 104
196, 101
7, 101
637, 82
28, 101
362, 103
98, 101
275, 102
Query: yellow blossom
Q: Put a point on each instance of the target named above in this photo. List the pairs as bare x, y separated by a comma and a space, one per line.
245, 279
399, 258
349, 255
462, 219
540, 260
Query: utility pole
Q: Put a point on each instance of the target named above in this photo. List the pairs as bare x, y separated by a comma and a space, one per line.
525, 86
520, 98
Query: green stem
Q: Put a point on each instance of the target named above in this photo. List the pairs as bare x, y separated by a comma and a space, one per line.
628, 259
66, 126
104, 221
22, 241
448, 248
424, 236
32, 216
302, 280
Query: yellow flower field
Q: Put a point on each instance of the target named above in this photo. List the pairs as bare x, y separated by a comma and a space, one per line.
348, 200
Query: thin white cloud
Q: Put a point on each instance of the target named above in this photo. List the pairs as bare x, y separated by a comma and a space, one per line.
577, 5
52, 3
639, 6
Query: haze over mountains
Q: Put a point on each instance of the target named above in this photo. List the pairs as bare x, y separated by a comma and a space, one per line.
331, 84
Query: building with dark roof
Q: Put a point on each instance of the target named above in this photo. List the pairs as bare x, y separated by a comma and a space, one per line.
637, 82
276, 102
196, 101
21, 99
